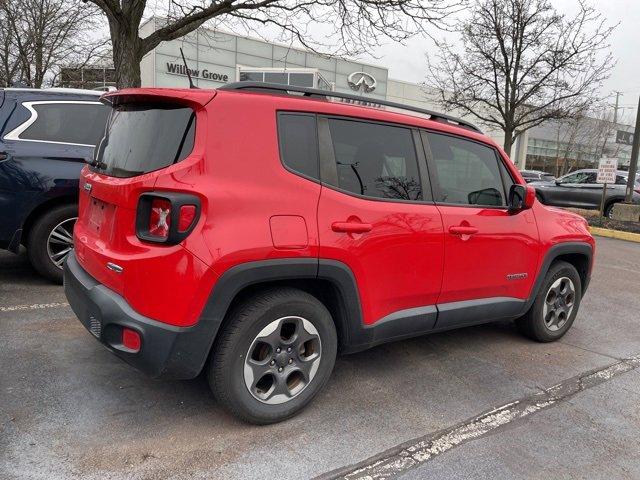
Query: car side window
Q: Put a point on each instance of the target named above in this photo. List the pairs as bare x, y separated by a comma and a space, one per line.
375, 160
64, 122
620, 180
578, 177
572, 178
590, 177
467, 172
298, 143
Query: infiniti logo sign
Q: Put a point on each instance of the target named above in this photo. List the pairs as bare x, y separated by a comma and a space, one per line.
362, 80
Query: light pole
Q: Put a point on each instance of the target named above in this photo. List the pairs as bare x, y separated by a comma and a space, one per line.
633, 163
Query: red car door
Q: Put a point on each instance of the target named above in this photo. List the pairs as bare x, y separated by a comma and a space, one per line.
491, 254
375, 217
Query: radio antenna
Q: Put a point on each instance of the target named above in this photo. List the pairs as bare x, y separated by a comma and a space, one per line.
191, 85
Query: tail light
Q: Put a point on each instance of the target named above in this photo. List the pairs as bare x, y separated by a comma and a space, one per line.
186, 217
160, 218
166, 217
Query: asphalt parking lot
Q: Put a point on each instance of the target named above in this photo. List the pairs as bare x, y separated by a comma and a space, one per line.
481, 402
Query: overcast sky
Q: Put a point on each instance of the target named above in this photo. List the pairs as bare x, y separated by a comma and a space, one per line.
407, 62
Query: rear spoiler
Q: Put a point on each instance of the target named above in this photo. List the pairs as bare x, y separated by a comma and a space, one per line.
193, 97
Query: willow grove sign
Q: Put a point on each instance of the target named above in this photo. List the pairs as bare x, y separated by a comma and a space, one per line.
179, 69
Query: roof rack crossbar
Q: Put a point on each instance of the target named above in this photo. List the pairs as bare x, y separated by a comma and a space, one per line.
314, 92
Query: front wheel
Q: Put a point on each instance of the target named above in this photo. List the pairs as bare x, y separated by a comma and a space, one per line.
555, 306
275, 353
609, 209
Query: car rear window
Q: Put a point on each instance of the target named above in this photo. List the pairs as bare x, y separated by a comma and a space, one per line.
141, 138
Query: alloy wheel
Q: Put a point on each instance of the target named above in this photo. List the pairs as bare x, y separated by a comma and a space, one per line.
282, 360
60, 241
559, 303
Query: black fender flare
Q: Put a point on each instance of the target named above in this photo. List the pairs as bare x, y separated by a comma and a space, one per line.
558, 250
237, 278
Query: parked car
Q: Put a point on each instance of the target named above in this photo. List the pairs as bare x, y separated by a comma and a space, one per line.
45, 138
536, 175
334, 227
579, 190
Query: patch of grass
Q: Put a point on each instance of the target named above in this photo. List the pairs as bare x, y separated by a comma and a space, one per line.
595, 220
633, 227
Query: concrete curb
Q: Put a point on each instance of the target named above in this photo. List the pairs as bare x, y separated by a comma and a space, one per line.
619, 234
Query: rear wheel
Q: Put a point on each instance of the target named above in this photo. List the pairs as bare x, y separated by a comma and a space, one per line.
51, 239
274, 355
556, 305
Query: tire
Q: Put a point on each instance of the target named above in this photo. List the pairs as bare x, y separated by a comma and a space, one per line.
533, 324
608, 209
39, 248
246, 365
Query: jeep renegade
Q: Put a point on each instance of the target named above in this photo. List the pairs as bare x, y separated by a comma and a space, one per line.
256, 230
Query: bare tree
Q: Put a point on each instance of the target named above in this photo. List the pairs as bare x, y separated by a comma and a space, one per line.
9, 62
41, 35
583, 139
351, 26
522, 63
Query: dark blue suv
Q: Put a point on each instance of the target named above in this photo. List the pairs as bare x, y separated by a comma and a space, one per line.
45, 138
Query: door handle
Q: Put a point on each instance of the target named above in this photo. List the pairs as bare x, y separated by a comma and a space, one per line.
462, 230
351, 227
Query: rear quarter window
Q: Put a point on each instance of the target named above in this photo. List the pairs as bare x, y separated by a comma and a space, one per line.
143, 137
71, 122
299, 144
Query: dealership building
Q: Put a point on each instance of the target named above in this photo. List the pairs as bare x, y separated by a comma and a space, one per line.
216, 57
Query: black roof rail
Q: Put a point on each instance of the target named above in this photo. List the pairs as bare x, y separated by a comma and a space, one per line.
277, 88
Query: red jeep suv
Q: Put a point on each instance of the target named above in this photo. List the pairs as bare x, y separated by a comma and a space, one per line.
255, 230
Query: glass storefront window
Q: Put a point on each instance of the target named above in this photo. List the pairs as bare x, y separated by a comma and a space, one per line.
277, 77
301, 79
252, 76
296, 78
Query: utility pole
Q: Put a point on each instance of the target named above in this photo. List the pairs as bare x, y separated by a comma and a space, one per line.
633, 163
615, 112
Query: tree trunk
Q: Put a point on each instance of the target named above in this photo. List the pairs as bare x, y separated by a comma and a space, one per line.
127, 55
508, 141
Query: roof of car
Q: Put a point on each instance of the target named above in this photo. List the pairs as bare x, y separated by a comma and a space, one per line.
359, 100
59, 90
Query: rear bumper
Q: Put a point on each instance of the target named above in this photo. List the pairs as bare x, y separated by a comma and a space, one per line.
166, 351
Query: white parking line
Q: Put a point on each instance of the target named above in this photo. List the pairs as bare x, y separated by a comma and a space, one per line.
409, 455
35, 306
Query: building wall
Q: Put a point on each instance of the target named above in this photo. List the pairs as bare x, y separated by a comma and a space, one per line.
218, 52
561, 146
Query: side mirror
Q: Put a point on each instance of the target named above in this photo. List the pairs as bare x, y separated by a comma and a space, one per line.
558, 181
521, 197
